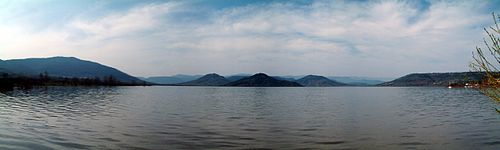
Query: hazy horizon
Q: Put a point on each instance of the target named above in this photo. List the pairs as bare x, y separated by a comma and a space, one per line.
330, 38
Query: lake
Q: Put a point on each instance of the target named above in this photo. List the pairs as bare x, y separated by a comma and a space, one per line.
248, 118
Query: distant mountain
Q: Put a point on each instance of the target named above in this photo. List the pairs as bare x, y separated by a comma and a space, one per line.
361, 81
242, 74
296, 77
262, 80
207, 80
350, 80
436, 79
172, 79
236, 77
64, 67
318, 81
284, 78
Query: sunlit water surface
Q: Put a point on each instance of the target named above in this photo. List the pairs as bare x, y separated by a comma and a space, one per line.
248, 118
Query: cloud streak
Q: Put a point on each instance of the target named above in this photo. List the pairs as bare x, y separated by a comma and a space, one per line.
376, 38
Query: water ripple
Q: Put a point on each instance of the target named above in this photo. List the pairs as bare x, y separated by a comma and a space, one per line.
247, 118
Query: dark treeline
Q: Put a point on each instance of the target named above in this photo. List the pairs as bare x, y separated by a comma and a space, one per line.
9, 82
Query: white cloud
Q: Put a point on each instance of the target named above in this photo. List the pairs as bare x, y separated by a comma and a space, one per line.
121, 24
383, 38
16, 42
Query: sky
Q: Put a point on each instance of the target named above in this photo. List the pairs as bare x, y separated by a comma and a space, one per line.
343, 38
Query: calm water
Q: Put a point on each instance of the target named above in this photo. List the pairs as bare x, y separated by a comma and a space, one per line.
241, 118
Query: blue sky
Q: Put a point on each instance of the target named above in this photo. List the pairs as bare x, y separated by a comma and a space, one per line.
149, 38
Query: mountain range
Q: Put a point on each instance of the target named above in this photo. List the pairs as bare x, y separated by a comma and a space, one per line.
180, 78
207, 80
318, 81
360, 81
64, 67
71, 67
416, 79
262, 80
350, 80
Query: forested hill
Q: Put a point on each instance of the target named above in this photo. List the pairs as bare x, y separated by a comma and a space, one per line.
263, 80
436, 79
67, 67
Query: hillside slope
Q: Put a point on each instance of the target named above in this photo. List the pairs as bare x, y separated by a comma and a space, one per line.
262, 80
436, 79
65, 67
207, 80
318, 81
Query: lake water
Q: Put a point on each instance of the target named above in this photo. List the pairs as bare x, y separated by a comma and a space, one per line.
248, 118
